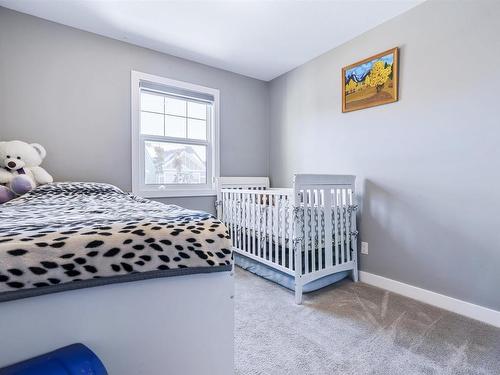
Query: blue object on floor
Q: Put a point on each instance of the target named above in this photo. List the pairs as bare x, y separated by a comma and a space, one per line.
74, 359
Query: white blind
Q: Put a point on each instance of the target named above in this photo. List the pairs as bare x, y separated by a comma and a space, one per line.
176, 91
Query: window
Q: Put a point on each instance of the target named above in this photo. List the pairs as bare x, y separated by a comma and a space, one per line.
175, 148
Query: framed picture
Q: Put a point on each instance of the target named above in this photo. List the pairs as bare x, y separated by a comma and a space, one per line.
370, 82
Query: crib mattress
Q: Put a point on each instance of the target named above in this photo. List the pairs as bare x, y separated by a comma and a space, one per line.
72, 235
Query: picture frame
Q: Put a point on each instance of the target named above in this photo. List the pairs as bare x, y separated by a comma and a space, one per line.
371, 82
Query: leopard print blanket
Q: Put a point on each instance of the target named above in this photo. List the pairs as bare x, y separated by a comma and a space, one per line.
70, 235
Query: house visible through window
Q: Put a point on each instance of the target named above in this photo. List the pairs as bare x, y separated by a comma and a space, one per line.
175, 140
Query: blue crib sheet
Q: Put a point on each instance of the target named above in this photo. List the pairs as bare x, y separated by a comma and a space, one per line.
282, 278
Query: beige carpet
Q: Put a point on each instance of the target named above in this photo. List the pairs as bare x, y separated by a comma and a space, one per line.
354, 329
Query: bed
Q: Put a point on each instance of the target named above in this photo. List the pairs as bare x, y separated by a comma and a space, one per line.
303, 238
115, 255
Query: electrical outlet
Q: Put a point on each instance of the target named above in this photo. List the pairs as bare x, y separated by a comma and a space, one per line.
364, 247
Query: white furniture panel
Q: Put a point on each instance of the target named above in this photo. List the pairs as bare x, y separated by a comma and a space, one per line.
176, 325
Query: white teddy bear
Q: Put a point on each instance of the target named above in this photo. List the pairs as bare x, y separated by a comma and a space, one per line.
20, 169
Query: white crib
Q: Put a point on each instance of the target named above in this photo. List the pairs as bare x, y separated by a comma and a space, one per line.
307, 232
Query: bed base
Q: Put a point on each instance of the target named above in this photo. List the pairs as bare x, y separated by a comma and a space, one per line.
316, 220
175, 325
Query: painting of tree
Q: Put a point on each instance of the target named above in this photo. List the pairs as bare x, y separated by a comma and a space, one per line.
370, 82
379, 75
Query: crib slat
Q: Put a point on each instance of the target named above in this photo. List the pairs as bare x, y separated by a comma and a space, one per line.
270, 229
313, 231
227, 211
290, 213
232, 213
275, 229
348, 224
247, 222
247, 218
241, 221
238, 220
229, 216
342, 225
253, 232
327, 206
264, 226
306, 231
320, 228
235, 220
236, 224
335, 220
244, 222
317, 232
283, 229
269, 232
223, 208
354, 240
299, 232
259, 226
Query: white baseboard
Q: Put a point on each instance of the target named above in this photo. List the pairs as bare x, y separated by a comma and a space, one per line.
467, 309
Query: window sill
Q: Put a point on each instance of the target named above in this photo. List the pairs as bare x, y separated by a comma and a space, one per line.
175, 193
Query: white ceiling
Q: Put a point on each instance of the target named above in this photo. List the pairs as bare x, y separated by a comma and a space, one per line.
260, 39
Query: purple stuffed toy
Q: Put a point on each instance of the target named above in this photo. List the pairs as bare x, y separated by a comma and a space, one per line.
6, 194
20, 170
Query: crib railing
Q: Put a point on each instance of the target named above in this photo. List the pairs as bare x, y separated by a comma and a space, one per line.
260, 224
325, 225
308, 232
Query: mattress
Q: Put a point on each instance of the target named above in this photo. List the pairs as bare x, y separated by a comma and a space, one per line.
65, 236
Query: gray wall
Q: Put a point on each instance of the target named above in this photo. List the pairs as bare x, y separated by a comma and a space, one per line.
70, 91
427, 165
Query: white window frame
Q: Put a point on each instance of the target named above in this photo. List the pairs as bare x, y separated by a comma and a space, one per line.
138, 141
